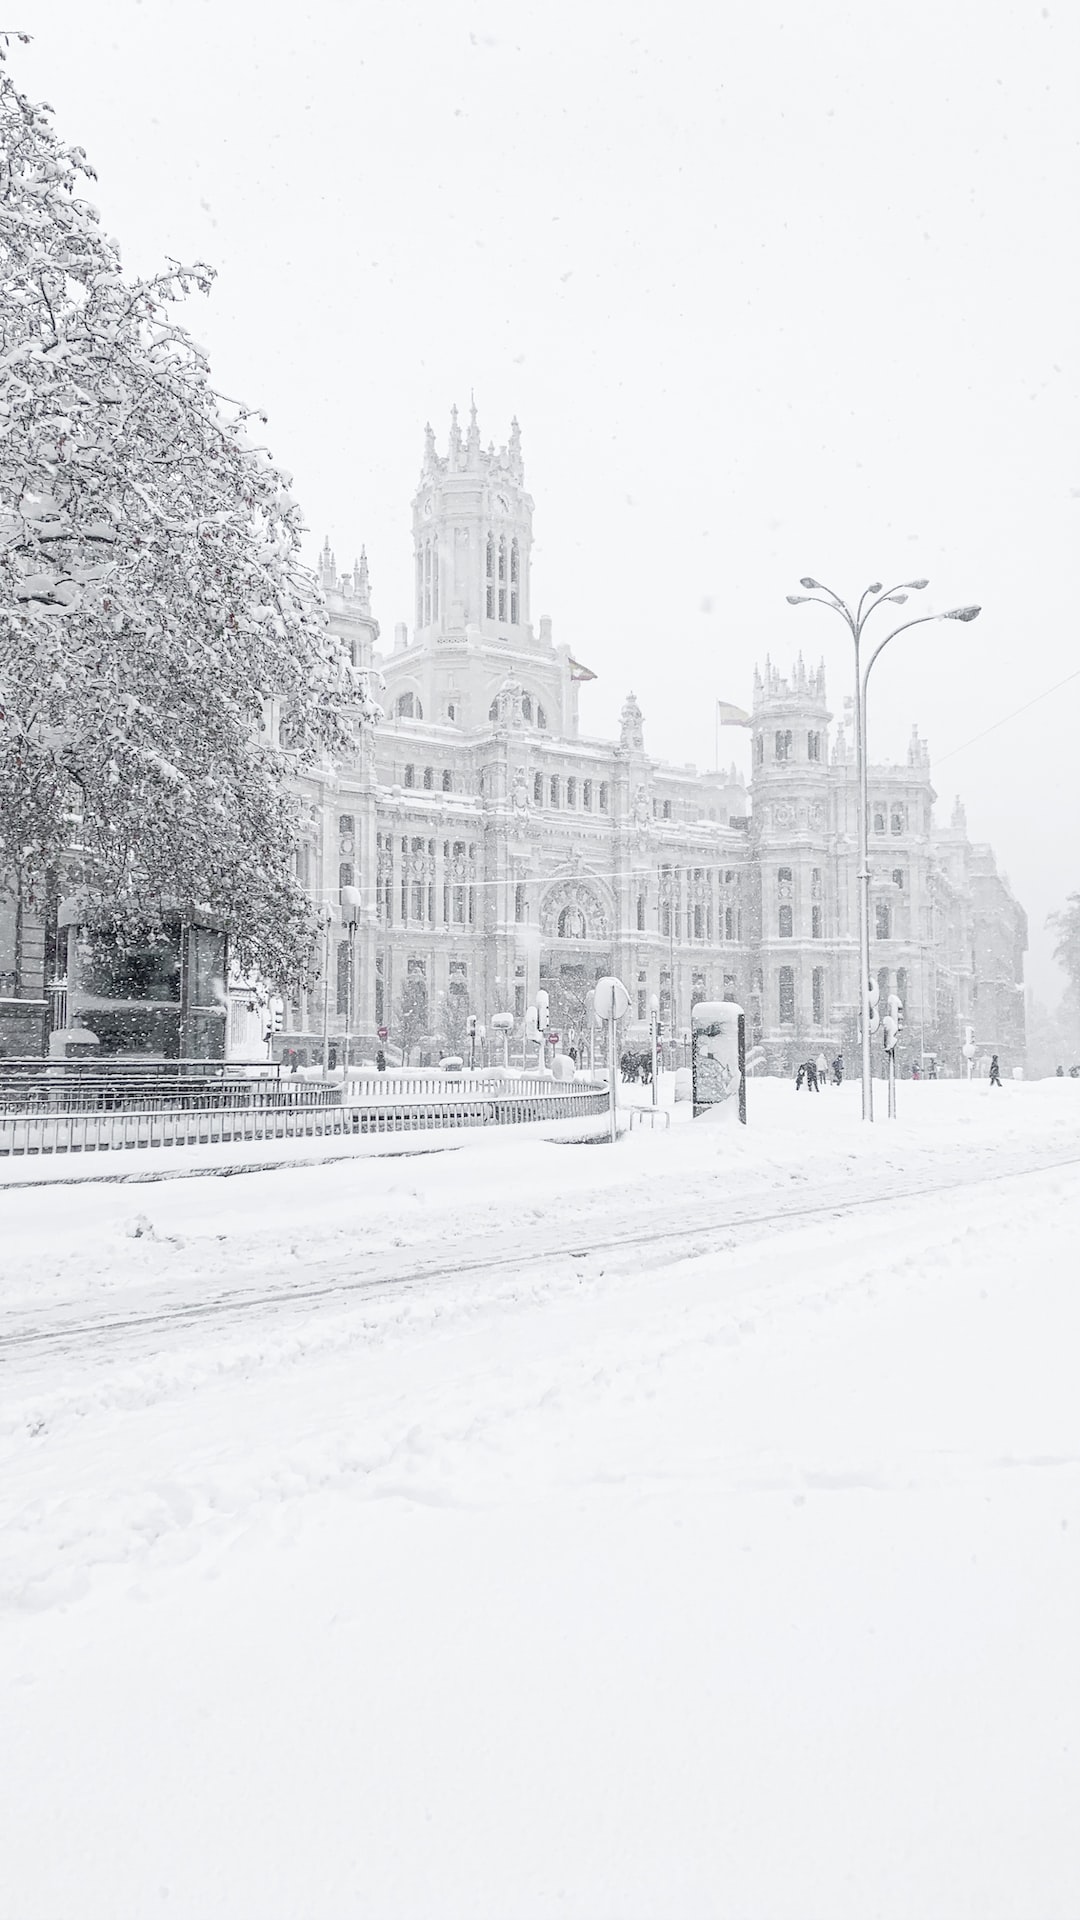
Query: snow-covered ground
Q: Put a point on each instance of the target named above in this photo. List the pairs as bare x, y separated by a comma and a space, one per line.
689, 1527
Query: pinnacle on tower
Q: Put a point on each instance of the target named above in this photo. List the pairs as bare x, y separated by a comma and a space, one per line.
455, 440
473, 442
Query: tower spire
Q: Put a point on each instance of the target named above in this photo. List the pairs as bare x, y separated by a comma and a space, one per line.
473, 443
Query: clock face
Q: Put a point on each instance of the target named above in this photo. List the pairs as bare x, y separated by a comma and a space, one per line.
427, 508
502, 503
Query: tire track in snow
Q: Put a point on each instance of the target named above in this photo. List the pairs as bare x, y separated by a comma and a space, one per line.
678, 1238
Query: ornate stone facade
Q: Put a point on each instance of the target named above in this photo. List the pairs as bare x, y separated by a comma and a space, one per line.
496, 849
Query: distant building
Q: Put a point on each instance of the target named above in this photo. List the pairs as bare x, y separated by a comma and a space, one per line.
495, 849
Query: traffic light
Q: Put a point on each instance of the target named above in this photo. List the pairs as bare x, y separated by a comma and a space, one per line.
277, 1016
470, 1025
873, 992
893, 1022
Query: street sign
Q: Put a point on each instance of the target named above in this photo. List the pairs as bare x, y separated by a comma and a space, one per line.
553, 1039
610, 999
383, 1033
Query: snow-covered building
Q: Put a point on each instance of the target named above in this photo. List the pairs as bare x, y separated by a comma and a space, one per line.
477, 846
487, 847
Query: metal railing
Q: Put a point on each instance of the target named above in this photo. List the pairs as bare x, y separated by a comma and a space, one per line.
28, 1134
81, 1087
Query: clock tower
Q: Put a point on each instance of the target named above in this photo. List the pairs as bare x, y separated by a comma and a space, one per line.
472, 537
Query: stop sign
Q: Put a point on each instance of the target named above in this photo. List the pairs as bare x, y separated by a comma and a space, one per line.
383, 1033
553, 1039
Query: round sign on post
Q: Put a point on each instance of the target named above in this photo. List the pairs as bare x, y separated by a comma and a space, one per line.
383, 1033
610, 998
553, 1039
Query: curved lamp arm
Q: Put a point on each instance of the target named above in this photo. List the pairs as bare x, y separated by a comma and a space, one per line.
954, 613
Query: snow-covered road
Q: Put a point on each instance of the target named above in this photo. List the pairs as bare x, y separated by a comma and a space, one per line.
690, 1527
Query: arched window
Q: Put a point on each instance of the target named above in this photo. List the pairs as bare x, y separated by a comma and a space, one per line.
538, 789
898, 876
410, 776
435, 580
879, 817
586, 795
641, 913
429, 778
541, 719
521, 910
572, 924
699, 924
603, 796
515, 574
493, 710
815, 923
343, 976
526, 706
759, 749
346, 824
786, 996
554, 790
729, 923
571, 792
502, 577
667, 809
408, 707
489, 603
813, 746
783, 877
898, 822
817, 985
785, 923
882, 920
783, 744
345, 874
447, 780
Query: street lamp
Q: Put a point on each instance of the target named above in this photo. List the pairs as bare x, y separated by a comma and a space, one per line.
876, 596
351, 903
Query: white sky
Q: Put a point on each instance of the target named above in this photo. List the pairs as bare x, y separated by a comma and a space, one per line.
773, 290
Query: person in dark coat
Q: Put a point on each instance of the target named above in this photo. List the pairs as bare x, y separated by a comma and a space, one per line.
800, 1076
838, 1070
995, 1072
811, 1078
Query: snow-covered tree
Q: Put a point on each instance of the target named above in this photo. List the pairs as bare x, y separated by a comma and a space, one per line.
1066, 925
154, 609
453, 1035
412, 1015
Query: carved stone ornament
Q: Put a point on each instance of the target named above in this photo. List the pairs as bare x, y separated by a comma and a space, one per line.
573, 910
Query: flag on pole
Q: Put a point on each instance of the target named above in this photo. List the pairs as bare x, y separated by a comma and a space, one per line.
578, 672
729, 716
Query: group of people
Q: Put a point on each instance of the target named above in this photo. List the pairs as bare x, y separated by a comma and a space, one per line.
814, 1074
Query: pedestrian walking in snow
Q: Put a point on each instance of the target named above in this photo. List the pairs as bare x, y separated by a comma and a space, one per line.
811, 1078
838, 1070
995, 1072
800, 1077
822, 1066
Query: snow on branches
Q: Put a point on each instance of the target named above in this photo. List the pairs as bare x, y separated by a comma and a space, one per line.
153, 603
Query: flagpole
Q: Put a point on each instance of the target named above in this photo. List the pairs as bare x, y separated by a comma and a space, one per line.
716, 729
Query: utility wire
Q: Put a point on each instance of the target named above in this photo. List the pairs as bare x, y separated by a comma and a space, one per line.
940, 758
